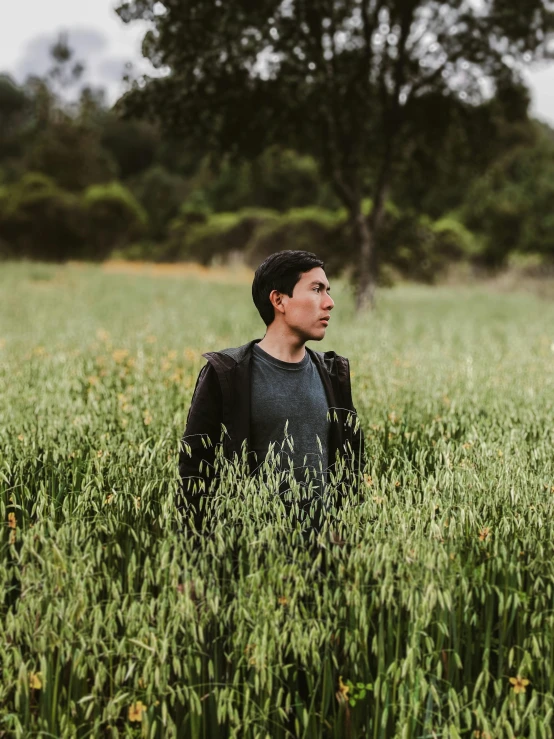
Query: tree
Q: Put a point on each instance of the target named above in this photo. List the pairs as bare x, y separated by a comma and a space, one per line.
511, 204
341, 79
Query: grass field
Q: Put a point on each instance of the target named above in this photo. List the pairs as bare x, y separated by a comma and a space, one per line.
435, 619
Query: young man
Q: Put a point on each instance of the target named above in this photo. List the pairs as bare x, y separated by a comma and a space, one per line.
275, 394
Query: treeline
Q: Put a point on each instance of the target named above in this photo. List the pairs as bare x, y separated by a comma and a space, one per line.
80, 182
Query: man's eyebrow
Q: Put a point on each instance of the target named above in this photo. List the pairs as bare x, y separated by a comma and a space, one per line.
320, 284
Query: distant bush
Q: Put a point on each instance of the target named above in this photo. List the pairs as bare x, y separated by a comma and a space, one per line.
511, 204
220, 235
311, 229
161, 194
454, 241
115, 219
39, 220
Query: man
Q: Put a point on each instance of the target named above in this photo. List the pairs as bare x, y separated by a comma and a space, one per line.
275, 395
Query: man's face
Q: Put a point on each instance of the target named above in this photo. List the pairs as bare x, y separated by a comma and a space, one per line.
307, 312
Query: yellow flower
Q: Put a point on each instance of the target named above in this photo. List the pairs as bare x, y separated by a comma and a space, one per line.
282, 600
484, 533
21, 437
136, 710
342, 692
368, 480
35, 681
109, 498
119, 355
12, 523
519, 684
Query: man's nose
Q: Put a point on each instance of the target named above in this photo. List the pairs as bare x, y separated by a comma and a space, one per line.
330, 304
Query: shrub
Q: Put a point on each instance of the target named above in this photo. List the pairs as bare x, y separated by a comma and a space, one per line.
114, 219
312, 229
160, 193
39, 220
219, 236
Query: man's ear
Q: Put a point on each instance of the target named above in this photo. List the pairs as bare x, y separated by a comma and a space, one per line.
276, 299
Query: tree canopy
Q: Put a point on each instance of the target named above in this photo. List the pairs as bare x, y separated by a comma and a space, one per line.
345, 80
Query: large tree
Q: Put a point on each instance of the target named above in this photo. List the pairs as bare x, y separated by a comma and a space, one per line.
343, 79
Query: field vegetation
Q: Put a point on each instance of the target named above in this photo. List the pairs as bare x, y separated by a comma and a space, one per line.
428, 613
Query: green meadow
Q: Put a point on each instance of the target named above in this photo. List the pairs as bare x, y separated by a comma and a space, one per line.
428, 613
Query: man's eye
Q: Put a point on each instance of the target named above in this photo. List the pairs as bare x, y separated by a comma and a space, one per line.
316, 289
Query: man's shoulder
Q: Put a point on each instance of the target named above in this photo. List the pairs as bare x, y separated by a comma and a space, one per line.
232, 355
330, 360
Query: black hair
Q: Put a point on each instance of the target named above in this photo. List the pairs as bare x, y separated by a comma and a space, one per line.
281, 271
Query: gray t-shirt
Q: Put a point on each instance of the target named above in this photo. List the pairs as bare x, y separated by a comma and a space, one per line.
291, 396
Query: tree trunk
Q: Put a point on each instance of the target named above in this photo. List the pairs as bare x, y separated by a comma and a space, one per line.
367, 277
367, 230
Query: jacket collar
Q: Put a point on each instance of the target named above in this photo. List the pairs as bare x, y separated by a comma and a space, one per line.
227, 359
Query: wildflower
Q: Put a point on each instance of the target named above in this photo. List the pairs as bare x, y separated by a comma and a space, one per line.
102, 335
147, 418
484, 533
519, 684
136, 710
21, 437
99, 453
109, 498
35, 681
282, 600
11, 521
92, 380
151, 339
119, 355
378, 499
368, 480
141, 682
342, 692
137, 502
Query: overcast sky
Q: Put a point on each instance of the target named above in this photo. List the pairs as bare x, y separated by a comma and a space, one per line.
105, 44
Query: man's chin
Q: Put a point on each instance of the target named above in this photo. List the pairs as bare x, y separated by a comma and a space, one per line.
317, 335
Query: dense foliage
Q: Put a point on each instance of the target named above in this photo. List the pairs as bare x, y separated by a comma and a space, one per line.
79, 182
353, 82
430, 615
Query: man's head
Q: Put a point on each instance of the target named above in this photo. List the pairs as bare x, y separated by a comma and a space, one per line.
291, 287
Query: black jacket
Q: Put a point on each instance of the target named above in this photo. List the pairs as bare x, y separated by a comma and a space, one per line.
222, 396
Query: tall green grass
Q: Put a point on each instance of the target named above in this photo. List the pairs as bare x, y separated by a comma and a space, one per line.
422, 614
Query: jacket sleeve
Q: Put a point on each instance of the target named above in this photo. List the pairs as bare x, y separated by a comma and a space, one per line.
197, 448
356, 439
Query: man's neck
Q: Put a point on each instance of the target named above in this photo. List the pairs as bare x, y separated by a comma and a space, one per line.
282, 346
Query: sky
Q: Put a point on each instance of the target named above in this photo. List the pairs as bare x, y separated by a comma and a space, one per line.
106, 44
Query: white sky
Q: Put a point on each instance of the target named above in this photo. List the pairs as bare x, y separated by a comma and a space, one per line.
105, 43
